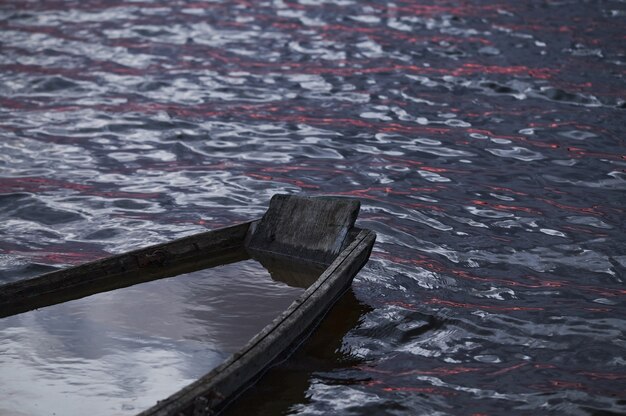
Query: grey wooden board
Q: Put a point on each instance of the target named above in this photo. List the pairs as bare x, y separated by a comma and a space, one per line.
312, 228
213, 391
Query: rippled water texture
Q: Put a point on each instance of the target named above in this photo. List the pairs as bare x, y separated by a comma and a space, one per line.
485, 140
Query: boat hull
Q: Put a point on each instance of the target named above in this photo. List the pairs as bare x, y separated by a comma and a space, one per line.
317, 231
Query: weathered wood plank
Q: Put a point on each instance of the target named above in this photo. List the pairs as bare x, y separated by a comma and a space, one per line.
214, 390
198, 251
311, 228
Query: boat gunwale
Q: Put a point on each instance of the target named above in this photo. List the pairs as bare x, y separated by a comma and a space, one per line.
208, 248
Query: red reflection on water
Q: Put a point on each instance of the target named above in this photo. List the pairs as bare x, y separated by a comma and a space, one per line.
590, 231
604, 376
473, 68
578, 153
429, 390
508, 369
56, 257
403, 305
567, 384
36, 184
287, 169
598, 310
509, 190
438, 371
296, 182
427, 10
436, 170
422, 261
503, 207
571, 208
437, 301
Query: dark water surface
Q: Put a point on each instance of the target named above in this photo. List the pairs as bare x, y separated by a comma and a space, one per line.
485, 140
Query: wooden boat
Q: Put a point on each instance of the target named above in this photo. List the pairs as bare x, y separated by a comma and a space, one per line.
311, 230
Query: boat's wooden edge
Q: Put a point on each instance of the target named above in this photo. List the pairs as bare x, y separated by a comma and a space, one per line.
211, 392
206, 249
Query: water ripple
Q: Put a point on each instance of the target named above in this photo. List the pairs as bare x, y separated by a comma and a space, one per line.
484, 140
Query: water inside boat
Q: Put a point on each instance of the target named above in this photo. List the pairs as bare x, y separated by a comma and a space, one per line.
119, 352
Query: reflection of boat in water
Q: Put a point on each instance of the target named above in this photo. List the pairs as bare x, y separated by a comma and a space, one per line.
304, 242
289, 382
